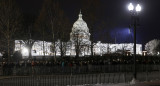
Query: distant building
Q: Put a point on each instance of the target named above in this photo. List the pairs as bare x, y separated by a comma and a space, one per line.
79, 39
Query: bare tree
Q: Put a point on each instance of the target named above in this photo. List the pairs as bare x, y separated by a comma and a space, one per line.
79, 42
152, 46
29, 43
52, 17
41, 30
10, 21
45, 23
91, 10
29, 37
63, 35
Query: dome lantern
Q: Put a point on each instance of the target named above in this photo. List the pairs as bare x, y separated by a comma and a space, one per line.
80, 16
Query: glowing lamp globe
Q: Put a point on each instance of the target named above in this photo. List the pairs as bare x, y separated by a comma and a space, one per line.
138, 8
130, 7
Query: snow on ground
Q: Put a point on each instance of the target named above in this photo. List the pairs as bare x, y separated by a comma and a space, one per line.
150, 83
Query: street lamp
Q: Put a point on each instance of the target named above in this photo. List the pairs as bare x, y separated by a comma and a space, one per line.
134, 14
138, 8
130, 7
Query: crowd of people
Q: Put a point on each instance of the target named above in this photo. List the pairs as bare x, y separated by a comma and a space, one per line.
71, 63
62, 65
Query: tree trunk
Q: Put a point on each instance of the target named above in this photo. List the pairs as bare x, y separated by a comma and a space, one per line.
91, 48
30, 53
43, 50
53, 40
77, 53
9, 59
77, 46
92, 41
61, 48
43, 44
54, 50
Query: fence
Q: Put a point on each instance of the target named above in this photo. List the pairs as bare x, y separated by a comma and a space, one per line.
45, 70
76, 75
72, 79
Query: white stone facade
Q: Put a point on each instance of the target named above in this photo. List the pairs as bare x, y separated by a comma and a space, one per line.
105, 48
98, 49
37, 48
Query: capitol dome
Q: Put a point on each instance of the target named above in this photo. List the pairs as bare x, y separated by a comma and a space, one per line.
80, 24
81, 30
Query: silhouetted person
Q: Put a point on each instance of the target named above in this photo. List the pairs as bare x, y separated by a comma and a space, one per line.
5, 55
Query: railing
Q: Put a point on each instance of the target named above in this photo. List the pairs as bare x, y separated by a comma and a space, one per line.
45, 70
75, 75
78, 79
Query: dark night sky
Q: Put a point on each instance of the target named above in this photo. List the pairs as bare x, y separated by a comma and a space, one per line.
115, 11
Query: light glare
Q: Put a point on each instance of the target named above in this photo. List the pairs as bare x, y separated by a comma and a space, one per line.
25, 50
138, 8
130, 7
129, 31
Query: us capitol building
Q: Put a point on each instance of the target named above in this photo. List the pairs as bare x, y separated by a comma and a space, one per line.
79, 40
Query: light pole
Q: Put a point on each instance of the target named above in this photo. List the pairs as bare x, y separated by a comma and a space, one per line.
134, 14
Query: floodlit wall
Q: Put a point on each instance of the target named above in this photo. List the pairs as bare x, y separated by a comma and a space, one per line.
37, 48
98, 49
104, 48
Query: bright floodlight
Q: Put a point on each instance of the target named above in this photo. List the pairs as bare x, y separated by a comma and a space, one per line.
138, 8
129, 31
130, 7
25, 50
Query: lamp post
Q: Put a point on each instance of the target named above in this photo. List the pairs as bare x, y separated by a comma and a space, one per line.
134, 14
